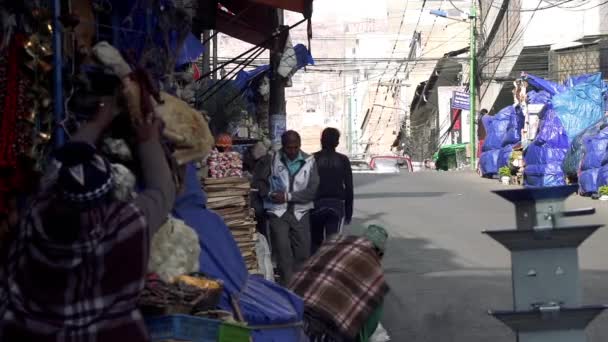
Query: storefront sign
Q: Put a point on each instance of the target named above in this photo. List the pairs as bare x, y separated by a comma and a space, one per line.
461, 100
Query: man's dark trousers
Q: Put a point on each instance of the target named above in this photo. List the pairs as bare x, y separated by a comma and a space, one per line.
326, 220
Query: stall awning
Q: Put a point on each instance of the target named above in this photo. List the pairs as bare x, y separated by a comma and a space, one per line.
253, 21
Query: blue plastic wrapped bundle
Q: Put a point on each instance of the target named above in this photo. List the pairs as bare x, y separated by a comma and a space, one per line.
546, 86
545, 155
581, 105
512, 136
496, 128
488, 163
505, 155
538, 97
594, 154
576, 151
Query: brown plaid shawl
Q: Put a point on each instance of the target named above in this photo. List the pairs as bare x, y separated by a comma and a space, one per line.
343, 283
84, 290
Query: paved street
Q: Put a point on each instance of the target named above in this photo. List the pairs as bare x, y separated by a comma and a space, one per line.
444, 274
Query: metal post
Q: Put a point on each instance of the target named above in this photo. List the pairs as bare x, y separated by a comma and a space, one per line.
472, 90
206, 53
215, 56
276, 104
547, 294
57, 75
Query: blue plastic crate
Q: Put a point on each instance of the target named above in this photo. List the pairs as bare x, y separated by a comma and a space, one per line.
183, 327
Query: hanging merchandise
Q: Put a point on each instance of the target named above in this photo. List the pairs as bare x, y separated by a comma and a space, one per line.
185, 127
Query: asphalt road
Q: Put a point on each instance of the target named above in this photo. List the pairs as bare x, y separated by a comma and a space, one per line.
444, 274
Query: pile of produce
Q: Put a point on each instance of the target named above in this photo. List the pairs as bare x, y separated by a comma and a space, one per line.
225, 164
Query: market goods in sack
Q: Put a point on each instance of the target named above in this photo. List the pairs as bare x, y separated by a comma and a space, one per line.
186, 128
175, 250
225, 164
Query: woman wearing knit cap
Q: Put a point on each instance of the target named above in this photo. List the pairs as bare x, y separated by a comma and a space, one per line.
79, 259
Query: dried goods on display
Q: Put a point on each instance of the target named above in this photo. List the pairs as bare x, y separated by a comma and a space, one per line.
184, 295
175, 250
225, 164
229, 197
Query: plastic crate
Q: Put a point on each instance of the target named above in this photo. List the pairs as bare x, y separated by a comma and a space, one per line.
183, 327
234, 333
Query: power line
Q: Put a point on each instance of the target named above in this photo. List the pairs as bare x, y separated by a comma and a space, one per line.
533, 10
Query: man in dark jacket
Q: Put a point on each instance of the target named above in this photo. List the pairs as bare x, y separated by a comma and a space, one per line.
334, 202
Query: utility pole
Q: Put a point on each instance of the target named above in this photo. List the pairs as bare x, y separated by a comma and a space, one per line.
276, 103
206, 53
215, 55
472, 85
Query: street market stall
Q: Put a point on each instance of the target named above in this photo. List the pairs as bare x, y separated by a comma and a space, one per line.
58, 58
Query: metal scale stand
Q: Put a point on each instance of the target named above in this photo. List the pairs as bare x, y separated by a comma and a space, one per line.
547, 294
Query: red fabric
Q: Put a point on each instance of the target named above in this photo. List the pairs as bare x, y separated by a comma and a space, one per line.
12, 176
9, 116
479, 146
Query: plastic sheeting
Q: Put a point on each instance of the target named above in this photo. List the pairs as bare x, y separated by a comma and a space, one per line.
577, 148
544, 85
261, 302
496, 129
594, 153
581, 104
545, 155
570, 120
512, 136
488, 163
540, 97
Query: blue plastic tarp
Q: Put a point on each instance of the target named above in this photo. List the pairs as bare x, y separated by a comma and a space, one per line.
516, 123
538, 97
496, 128
504, 156
303, 56
545, 155
488, 163
581, 104
261, 302
594, 154
190, 51
542, 84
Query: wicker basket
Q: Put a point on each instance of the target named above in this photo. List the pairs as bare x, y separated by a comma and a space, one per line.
161, 298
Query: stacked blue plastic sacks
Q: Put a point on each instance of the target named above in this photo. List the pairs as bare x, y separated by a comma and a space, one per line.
512, 136
573, 107
496, 129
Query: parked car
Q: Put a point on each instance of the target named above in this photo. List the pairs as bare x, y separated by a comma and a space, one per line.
381, 164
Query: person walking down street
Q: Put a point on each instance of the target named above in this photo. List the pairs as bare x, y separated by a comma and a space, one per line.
288, 182
78, 261
334, 203
343, 287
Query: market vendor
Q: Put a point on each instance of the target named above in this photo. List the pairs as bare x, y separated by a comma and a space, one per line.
288, 181
343, 287
79, 258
